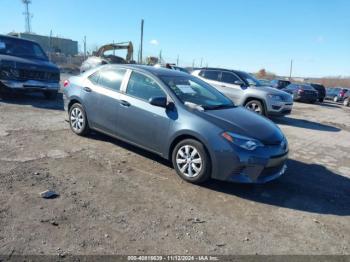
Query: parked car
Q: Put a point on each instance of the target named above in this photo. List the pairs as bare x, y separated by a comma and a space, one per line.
243, 89
265, 82
173, 67
341, 95
279, 83
302, 92
179, 117
321, 91
24, 66
332, 92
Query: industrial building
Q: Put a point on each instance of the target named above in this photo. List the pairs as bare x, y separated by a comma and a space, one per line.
51, 44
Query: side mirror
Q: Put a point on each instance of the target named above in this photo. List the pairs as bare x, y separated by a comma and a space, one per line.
160, 101
239, 83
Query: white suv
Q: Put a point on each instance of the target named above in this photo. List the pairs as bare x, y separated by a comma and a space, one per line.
245, 90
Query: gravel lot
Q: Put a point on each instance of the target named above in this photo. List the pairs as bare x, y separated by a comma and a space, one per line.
118, 199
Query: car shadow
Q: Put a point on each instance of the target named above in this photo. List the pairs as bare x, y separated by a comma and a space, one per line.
305, 187
127, 146
37, 100
302, 123
328, 104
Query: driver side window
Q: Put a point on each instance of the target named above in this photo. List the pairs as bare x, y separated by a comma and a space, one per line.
143, 87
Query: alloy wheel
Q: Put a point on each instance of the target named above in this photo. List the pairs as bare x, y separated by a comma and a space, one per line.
77, 119
254, 107
189, 161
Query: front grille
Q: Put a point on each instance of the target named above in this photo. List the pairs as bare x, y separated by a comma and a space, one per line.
25, 74
270, 171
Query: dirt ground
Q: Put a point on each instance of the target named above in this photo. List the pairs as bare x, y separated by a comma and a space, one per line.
118, 199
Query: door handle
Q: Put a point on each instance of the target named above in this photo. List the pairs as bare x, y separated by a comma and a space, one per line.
125, 103
87, 89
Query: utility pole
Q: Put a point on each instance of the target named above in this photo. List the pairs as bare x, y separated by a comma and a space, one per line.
177, 60
193, 63
50, 45
291, 69
113, 49
201, 61
27, 16
84, 47
141, 47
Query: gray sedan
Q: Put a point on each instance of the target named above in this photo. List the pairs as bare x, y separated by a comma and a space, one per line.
179, 117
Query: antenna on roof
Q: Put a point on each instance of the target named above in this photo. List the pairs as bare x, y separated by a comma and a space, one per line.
28, 16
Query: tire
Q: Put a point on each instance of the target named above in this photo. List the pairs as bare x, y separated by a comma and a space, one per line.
346, 102
191, 161
78, 121
335, 99
255, 106
50, 94
321, 100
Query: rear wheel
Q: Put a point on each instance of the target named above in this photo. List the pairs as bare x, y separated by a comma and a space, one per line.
78, 121
191, 161
321, 100
255, 106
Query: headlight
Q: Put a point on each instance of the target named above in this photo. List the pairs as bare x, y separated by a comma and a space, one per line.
9, 73
242, 141
275, 97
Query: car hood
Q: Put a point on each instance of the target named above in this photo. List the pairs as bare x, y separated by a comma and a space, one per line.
21, 62
244, 122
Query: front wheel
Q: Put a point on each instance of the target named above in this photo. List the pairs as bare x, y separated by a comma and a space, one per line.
191, 161
78, 121
255, 106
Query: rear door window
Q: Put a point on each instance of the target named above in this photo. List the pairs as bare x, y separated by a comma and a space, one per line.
229, 78
210, 74
111, 78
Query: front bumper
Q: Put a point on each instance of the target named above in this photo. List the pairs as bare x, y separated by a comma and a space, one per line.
31, 85
279, 108
259, 166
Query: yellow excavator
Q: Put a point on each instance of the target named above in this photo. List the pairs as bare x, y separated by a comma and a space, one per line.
101, 58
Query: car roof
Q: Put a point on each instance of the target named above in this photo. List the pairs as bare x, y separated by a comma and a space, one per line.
222, 69
17, 38
158, 71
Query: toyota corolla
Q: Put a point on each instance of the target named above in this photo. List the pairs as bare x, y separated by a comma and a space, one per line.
179, 117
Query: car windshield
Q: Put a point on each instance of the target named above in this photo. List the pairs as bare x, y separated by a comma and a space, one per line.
21, 48
249, 79
307, 87
191, 90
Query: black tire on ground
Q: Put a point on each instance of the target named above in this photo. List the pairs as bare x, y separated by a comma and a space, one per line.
76, 113
50, 94
321, 100
205, 167
256, 106
312, 101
